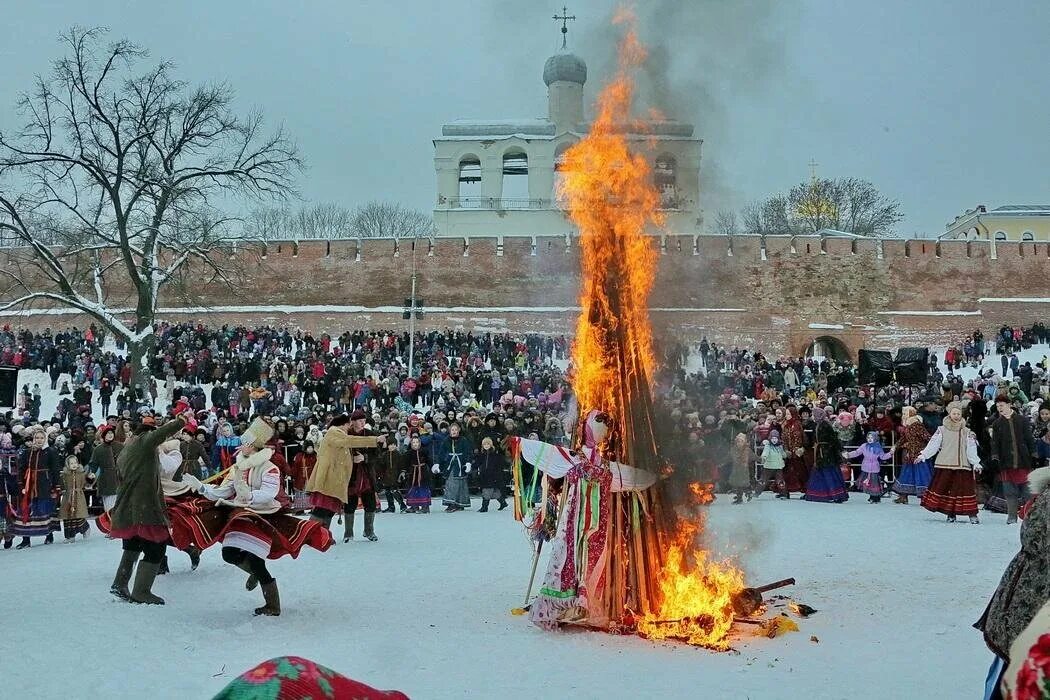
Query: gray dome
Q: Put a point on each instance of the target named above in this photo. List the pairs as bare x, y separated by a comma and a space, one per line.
564, 66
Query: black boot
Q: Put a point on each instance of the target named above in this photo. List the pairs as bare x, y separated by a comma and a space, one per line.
484, 506
24, 544
502, 503
50, 539
272, 600
195, 557
123, 575
370, 533
8, 543
162, 568
144, 577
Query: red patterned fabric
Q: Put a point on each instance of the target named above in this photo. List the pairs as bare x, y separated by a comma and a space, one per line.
287, 534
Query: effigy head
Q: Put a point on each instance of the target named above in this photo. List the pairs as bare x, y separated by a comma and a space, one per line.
595, 428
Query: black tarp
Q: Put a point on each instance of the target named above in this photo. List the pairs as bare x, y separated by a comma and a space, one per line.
912, 365
875, 367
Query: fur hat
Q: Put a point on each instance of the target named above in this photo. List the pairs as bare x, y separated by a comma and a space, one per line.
358, 414
257, 434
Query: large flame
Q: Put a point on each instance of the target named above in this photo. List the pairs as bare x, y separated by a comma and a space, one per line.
610, 195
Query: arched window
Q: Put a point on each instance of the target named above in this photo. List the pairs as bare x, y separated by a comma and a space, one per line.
665, 175
1027, 236
1000, 235
559, 173
469, 195
515, 180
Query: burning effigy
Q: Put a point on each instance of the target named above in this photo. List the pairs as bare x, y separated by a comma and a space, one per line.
622, 558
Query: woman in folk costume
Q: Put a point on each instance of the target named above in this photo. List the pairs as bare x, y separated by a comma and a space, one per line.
138, 517
796, 472
415, 472
39, 475
74, 508
826, 484
452, 457
1024, 588
871, 453
575, 582
259, 526
953, 449
915, 477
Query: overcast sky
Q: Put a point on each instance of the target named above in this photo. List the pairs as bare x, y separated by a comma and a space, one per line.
941, 103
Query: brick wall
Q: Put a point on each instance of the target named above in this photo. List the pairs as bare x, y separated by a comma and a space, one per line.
782, 286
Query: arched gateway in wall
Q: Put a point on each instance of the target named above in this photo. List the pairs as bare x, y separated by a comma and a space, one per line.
830, 347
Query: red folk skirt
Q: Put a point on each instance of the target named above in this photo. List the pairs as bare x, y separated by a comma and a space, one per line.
952, 492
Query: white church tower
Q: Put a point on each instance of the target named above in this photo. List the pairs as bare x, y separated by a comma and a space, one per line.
497, 177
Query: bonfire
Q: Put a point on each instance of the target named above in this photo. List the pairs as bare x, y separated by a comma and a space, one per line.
658, 581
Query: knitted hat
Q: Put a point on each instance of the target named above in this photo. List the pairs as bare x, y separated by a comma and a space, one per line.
358, 414
819, 414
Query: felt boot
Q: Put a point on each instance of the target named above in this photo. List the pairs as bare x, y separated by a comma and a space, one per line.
123, 575
272, 600
144, 577
370, 533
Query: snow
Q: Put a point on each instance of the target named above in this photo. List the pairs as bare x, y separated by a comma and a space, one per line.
1018, 300
427, 610
928, 313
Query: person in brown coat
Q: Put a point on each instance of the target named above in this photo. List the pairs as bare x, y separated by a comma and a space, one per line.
74, 509
1025, 585
327, 484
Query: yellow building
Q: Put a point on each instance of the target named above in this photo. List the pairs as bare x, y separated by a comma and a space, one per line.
1011, 222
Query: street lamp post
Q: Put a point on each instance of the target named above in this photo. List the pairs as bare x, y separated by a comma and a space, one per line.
413, 306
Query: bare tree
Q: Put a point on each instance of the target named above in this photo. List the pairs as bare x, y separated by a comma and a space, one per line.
725, 222
848, 204
391, 220
267, 224
129, 167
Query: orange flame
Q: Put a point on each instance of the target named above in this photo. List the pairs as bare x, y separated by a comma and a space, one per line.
610, 195
703, 494
696, 603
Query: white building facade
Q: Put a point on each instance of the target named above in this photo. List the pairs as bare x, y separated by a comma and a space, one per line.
498, 177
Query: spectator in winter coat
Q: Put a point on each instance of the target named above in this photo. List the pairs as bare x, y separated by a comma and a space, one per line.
492, 467
1013, 453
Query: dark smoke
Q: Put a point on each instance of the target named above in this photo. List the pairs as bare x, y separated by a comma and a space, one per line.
704, 55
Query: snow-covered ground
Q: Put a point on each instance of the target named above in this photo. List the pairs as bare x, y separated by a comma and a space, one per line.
427, 610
